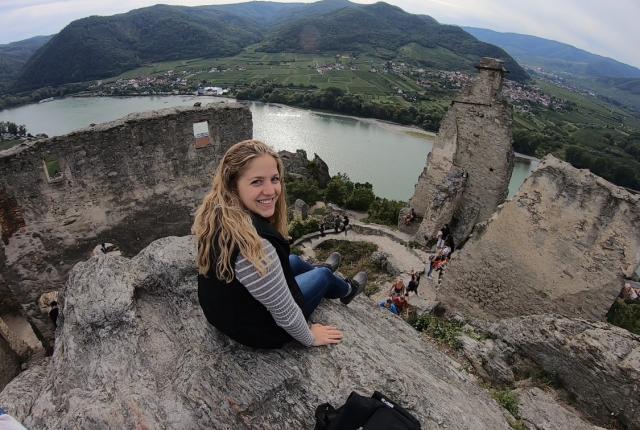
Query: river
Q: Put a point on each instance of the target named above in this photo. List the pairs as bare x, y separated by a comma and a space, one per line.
388, 156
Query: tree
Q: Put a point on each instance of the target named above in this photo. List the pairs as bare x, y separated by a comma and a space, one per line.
339, 189
12, 128
361, 197
385, 211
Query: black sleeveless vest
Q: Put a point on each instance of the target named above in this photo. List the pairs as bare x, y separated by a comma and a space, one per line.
232, 309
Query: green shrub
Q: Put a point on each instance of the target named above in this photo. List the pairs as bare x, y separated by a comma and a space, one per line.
339, 189
517, 424
625, 315
447, 332
508, 400
384, 211
361, 197
304, 189
299, 227
319, 212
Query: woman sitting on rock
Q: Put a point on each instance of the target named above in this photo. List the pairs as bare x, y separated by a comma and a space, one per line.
249, 286
397, 289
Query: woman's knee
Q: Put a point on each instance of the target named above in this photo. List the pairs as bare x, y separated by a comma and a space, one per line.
325, 273
294, 259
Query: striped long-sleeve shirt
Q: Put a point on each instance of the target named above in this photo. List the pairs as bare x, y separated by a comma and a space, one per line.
273, 292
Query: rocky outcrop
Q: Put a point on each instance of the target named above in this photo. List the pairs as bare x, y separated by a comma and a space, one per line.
298, 166
468, 170
541, 410
10, 363
562, 245
133, 350
597, 363
128, 182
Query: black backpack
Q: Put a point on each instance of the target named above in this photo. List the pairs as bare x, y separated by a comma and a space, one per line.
377, 412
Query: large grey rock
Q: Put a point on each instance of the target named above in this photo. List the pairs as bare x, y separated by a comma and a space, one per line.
599, 364
133, 350
489, 358
298, 165
10, 363
300, 209
562, 245
540, 410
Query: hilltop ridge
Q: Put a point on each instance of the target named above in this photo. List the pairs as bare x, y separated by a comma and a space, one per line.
98, 47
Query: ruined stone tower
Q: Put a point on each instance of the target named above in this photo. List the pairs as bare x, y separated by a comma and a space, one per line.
468, 171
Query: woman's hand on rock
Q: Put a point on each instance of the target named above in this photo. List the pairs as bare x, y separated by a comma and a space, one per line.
325, 334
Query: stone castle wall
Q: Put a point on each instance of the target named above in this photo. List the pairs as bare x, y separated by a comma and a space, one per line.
468, 170
128, 182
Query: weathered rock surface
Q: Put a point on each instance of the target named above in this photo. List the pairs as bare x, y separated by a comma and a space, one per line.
10, 363
489, 359
133, 350
562, 245
300, 209
540, 410
298, 165
467, 173
599, 364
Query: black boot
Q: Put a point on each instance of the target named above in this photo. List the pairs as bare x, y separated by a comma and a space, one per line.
357, 285
332, 262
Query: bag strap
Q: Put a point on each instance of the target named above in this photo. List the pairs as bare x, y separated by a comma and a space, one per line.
325, 413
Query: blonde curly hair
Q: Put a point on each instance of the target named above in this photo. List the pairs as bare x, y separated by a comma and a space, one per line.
223, 218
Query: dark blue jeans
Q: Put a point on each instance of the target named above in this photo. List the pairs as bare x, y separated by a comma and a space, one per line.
316, 283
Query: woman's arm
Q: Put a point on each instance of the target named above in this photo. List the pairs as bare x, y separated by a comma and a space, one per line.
272, 291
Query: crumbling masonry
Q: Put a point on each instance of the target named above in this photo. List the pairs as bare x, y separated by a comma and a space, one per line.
128, 182
468, 171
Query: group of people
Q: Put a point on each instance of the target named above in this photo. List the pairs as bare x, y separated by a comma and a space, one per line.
629, 293
444, 248
396, 301
338, 225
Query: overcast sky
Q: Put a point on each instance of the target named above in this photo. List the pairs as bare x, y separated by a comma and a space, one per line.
605, 27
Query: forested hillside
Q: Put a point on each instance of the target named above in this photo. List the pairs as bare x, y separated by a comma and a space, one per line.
14, 55
555, 56
384, 30
99, 47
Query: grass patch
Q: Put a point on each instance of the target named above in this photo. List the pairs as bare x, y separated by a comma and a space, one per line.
517, 424
446, 332
355, 257
508, 400
319, 212
6, 144
53, 168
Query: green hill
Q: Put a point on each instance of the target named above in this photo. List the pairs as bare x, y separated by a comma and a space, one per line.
555, 56
99, 47
389, 32
14, 55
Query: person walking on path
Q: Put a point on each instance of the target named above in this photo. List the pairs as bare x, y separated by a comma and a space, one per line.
345, 223
413, 283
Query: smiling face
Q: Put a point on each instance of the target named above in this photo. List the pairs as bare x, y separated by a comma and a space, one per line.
259, 186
